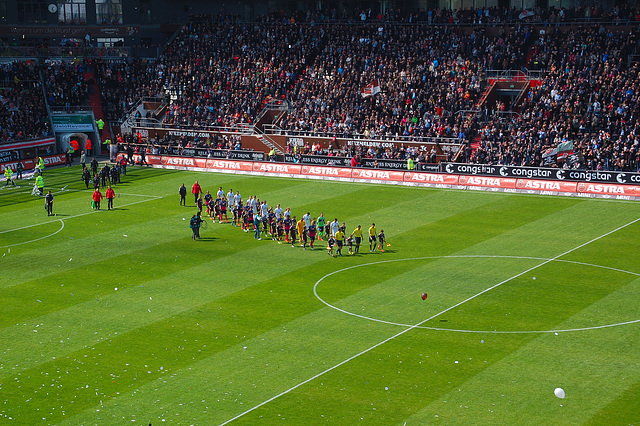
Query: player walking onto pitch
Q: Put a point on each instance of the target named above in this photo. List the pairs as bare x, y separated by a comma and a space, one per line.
208, 198
312, 230
223, 210
302, 232
372, 238
321, 223
292, 231
334, 226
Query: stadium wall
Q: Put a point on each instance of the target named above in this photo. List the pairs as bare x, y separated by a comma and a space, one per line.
423, 179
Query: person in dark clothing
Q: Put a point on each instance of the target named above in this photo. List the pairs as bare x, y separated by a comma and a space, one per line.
48, 203
94, 166
114, 175
86, 177
105, 175
194, 223
183, 195
143, 157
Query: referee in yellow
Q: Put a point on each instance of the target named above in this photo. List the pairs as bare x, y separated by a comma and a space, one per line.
357, 236
372, 237
339, 236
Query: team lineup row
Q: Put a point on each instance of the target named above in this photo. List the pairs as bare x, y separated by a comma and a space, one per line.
277, 223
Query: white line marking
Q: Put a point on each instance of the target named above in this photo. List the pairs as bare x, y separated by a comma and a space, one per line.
422, 322
37, 239
464, 330
79, 215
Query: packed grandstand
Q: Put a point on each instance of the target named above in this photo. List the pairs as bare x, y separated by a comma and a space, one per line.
425, 75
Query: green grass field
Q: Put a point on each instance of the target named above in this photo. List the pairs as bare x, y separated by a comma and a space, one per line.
118, 317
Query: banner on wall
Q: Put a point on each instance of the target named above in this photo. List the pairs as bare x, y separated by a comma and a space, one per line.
541, 173
496, 183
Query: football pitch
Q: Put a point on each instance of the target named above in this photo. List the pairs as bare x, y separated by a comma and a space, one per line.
118, 317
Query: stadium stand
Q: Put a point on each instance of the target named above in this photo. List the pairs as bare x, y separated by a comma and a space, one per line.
23, 113
432, 69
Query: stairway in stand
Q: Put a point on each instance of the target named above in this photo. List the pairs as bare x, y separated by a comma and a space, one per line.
96, 105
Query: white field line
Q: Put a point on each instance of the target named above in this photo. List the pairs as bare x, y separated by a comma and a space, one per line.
322, 373
472, 256
37, 239
81, 214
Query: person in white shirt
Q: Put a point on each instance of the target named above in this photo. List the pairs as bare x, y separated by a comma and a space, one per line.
307, 219
334, 226
230, 199
278, 212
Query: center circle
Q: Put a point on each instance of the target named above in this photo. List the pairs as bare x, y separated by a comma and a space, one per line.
421, 326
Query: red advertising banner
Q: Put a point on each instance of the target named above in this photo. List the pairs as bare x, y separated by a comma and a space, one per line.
292, 169
337, 172
26, 164
430, 178
546, 185
602, 189
245, 166
386, 175
178, 161
608, 189
487, 182
51, 160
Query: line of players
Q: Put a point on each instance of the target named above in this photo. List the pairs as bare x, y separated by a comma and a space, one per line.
281, 225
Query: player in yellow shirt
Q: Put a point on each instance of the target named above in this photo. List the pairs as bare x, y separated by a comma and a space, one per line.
339, 236
357, 236
302, 233
372, 237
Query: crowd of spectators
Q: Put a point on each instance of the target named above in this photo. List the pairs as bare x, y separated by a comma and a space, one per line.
427, 75
618, 14
220, 72
590, 96
23, 114
65, 84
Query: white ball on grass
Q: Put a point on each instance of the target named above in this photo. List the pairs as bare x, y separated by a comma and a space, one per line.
559, 392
